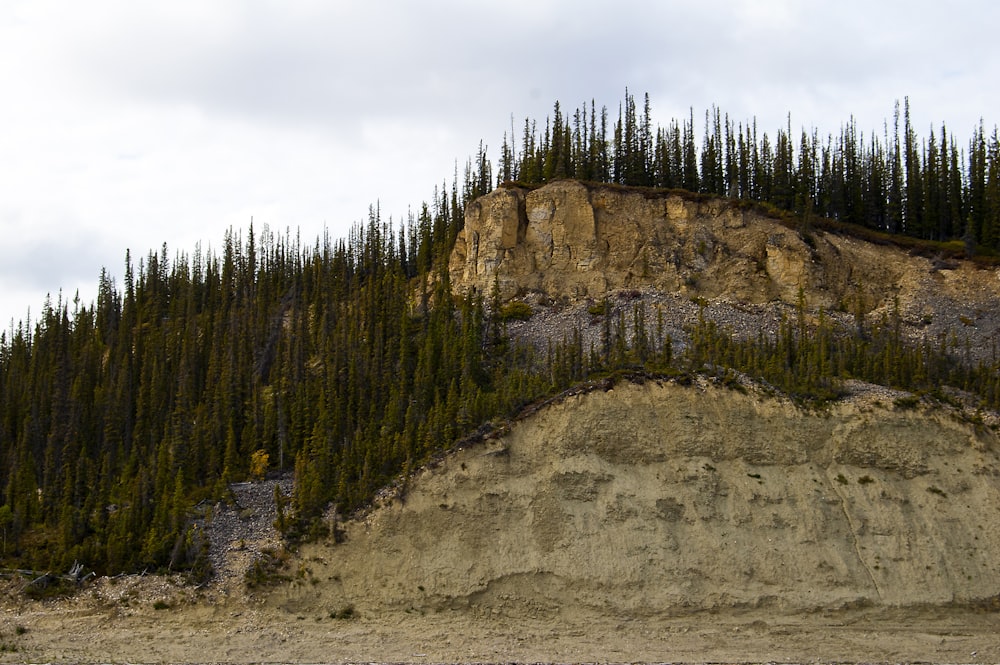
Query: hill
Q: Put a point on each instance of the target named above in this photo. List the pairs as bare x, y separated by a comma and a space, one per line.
353, 361
684, 514
641, 520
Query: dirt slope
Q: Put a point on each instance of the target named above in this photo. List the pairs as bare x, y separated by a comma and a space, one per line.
656, 498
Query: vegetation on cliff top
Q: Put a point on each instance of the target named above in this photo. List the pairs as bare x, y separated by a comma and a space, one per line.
892, 181
350, 361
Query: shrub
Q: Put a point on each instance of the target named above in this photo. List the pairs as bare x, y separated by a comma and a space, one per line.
267, 570
516, 311
259, 461
344, 613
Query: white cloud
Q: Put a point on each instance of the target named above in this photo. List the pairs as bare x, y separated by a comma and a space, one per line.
134, 124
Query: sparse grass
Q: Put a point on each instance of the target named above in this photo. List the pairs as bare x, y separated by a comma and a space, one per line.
268, 569
11, 646
906, 402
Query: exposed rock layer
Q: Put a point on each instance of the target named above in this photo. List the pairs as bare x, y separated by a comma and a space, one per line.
570, 241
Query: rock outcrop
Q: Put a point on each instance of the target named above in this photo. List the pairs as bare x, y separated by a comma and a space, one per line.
570, 240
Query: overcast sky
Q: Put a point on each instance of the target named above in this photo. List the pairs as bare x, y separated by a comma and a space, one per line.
132, 124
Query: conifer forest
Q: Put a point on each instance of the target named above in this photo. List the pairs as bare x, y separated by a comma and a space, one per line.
349, 361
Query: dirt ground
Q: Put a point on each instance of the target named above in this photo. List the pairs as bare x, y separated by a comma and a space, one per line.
209, 627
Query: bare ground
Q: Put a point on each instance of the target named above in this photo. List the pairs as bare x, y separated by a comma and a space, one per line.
240, 631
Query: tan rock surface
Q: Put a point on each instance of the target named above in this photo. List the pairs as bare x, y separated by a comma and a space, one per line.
569, 241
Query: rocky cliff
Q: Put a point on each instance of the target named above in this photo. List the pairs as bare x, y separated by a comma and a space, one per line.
568, 242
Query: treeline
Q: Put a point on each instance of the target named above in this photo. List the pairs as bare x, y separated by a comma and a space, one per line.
349, 361
346, 360
935, 188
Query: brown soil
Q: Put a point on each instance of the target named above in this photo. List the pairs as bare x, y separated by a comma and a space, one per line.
226, 630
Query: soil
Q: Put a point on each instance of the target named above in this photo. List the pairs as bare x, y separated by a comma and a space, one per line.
234, 631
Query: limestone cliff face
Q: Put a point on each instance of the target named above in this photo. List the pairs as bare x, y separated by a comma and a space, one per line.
568, 239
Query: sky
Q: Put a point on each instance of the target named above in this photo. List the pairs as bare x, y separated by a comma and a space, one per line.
128, 125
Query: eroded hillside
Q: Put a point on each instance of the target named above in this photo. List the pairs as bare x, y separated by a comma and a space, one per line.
663, 499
